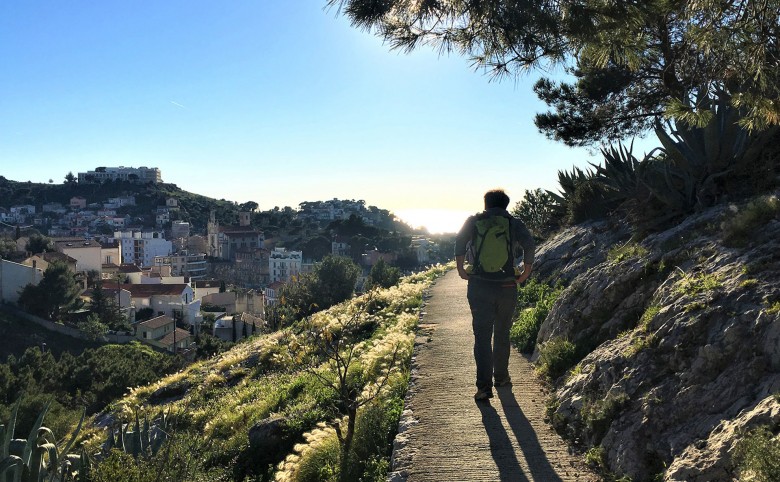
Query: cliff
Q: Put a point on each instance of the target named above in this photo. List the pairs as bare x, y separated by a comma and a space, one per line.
677, 336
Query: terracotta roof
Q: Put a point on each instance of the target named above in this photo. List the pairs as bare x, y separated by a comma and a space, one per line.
276, 285
181, 334
157, 322
129, 268
52, 256
147, 290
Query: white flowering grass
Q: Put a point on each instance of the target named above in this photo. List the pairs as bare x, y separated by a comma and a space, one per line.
273, 373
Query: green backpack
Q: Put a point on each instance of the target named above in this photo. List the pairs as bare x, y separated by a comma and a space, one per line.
493, 246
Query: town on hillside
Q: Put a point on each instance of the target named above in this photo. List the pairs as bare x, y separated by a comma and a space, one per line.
169, 277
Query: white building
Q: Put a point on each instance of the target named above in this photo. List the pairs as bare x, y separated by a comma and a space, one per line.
14, 277
141, 247
283, 264
86, 252
141, 174
193, 266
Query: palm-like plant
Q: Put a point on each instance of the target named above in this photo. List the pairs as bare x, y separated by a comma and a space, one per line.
37, 458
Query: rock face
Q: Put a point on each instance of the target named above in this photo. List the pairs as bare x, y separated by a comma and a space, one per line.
680, 339
268, 440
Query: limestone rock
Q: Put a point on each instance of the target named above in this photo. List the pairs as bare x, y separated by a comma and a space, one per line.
680, 346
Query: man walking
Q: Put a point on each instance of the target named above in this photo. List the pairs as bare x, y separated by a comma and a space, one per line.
493, 239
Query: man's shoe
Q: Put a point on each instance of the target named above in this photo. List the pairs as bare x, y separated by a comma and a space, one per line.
483, 395
503, 383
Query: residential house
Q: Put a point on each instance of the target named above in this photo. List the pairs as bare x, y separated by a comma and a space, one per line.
111, 252
233, 328
86, 252
78, 203
206, 287
56, 208
14, 277
141, 247
193, 266
43, 260
283, 264
131, 273
272, 292
161, 331
21, 214
340, 246
174, 300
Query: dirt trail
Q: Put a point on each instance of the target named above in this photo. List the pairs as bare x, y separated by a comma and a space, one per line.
447, 436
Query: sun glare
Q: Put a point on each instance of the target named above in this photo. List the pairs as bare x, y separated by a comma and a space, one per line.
436, 221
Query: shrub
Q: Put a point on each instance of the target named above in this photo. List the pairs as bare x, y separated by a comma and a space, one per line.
758, 456
599, 414
739, 228
534, 300
556, 357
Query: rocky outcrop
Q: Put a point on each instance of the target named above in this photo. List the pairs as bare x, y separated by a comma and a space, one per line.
679, 340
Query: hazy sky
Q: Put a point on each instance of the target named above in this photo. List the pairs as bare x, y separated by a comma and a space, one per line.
272, 101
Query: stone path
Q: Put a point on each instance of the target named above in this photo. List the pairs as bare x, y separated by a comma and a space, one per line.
446, 436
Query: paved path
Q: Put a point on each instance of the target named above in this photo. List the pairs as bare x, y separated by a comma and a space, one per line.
447, 436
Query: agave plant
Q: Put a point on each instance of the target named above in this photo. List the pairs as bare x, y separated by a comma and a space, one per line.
143, 441
699, 157
37, 458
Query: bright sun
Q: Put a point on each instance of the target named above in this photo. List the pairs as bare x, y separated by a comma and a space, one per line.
434, 220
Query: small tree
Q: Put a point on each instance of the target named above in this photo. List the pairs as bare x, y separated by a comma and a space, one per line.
383, 275
93, 328
55, 295
38, 244
537, 210
70, 178
332, 353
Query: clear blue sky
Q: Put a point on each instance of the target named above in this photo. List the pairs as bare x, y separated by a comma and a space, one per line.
275, 102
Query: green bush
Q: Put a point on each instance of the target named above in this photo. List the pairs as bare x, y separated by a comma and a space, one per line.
598, 414
758, 456
534, 302
556, 357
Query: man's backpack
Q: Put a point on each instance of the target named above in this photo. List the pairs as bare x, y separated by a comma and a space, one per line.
492, 238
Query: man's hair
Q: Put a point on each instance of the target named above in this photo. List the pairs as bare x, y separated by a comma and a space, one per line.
496, 198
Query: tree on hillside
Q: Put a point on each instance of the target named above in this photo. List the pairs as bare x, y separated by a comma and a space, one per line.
38, 244
383, 275
538, 211
332, 282
54, 296
332, 354
634, 63
70, 178
106, 308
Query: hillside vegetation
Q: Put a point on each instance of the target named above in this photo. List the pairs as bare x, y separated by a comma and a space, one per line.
267, 409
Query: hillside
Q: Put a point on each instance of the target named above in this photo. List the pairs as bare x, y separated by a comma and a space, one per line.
18, 335
666, 349
263, 410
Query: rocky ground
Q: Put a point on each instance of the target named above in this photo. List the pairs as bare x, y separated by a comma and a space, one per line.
679, 339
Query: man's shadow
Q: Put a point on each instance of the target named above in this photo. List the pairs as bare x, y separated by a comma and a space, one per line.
501, 449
